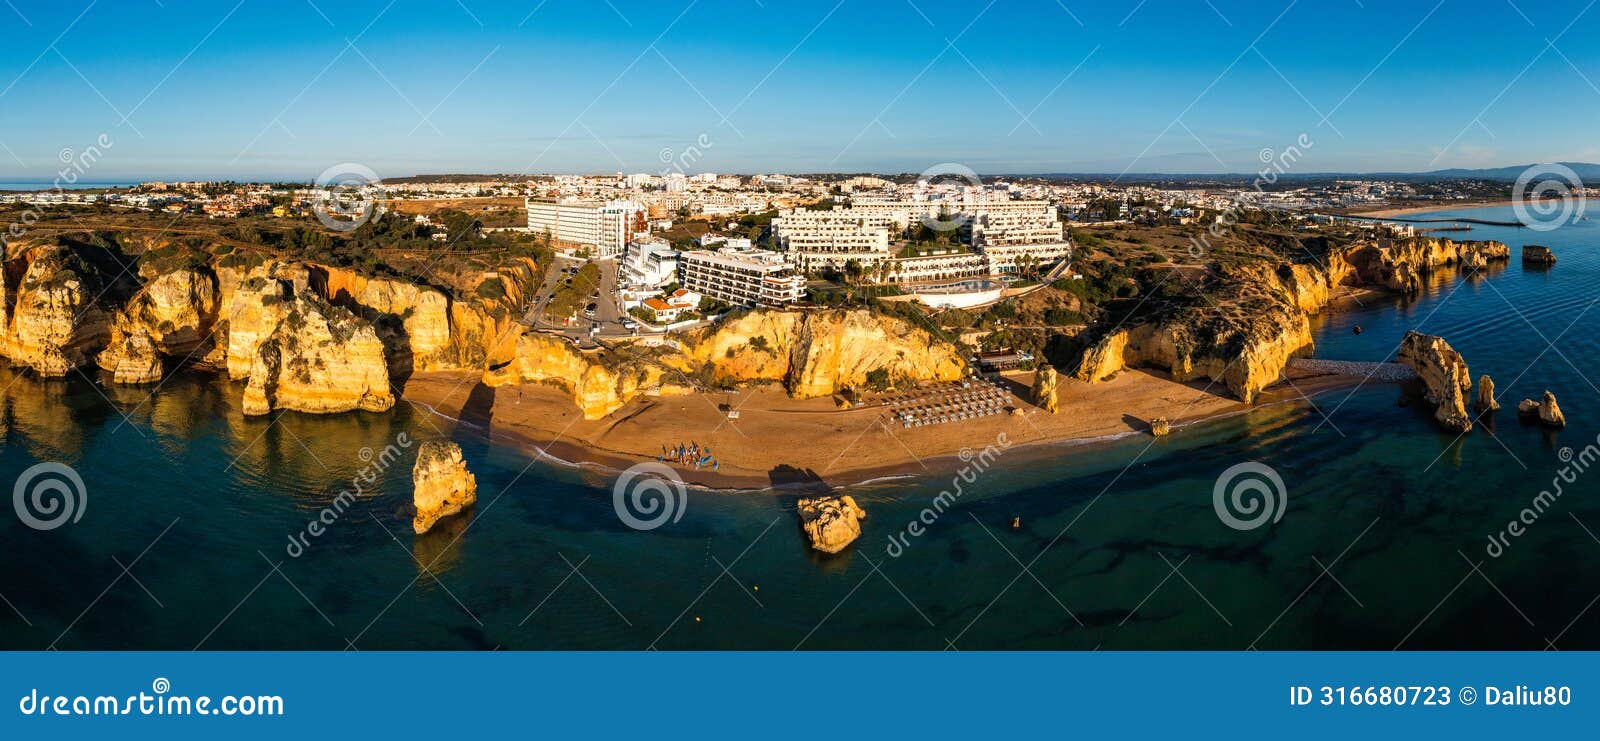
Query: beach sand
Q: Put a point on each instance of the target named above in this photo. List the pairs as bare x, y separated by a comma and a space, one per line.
1441, 206
782, 441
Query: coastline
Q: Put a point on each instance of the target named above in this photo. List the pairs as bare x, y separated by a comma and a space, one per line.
1409, 210
821, 446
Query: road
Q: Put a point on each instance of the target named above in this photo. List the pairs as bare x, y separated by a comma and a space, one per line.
608, 305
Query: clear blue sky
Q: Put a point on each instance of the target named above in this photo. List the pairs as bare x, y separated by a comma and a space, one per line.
259, 88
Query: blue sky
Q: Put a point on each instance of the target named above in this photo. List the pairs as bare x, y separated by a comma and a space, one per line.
254, 88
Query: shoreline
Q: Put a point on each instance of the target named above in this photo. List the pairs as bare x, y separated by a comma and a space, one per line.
1411, 210
861, 451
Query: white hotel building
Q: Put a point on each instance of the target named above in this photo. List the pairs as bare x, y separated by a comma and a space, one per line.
742, 277
1004, 236
603, 227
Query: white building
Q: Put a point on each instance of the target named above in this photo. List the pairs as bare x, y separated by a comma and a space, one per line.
742, 277
603, 227
827, 240
648, 263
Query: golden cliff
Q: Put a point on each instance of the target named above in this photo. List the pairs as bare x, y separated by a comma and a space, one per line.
171, 316
811, 353
1252, 320
319, 359
52, 317
1445, 378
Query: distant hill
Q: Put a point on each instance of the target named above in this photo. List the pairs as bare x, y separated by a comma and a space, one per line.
1586, 171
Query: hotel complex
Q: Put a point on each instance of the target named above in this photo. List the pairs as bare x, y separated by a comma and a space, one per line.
602, 227
742, 277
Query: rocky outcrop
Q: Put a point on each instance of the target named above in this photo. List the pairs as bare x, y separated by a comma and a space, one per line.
1533, 254
319, 359
811, 353
442, 486
1046, 393
1402, 264
420, 315
132, 359
1547, 411
1160, 427
1242, 339
54, 323
171, 316
600, 382
1486, 401
1445, 378
819, 353
831, 523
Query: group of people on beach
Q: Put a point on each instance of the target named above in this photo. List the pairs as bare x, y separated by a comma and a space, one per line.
689, 455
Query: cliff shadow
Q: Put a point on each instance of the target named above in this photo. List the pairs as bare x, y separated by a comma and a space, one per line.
478, 411
391, 328
804, 480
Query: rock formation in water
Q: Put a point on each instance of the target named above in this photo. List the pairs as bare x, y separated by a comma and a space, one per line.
319, 359
53, 321
1533, 254
1160, 427
831, 523
442, 484
1486, 400
1402, 264
1046, 393
1547, 411
1445, 378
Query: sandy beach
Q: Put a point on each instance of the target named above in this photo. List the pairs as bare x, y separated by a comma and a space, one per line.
782, 441
1442, 206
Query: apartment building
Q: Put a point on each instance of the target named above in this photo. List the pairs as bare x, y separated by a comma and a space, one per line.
604, 227
648, 263
815, 241
742, 277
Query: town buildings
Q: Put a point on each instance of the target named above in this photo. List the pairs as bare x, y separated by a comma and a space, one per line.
603, 227
742, 277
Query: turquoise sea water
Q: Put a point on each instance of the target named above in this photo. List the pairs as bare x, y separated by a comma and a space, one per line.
1123, 545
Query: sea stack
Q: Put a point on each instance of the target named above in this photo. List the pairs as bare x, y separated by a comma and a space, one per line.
1547, 411
1486, 400
1046, 392
1445, 378
443, 486
1160, 427
831, 523
1533, 254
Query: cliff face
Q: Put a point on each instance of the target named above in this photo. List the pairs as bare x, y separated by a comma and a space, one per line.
319, 359
1400, 265
599, 384
820, 353
54, 322
172, 316
1241, 339
811, 353
1445, 378
1249, 325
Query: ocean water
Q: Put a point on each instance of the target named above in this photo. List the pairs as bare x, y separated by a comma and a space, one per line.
1382, 539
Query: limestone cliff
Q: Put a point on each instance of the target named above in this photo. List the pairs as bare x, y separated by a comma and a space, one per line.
1445, 378
819, 353
1046, 389
600, 383
319, 359
1546, 411
1250, 321
172, 315
1400, 265
442, 485
53, 320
